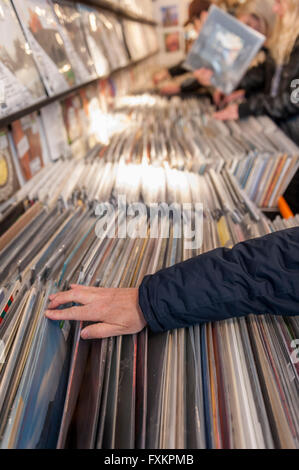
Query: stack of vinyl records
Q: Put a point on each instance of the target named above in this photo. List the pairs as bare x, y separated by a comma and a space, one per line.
231, 384
261, 157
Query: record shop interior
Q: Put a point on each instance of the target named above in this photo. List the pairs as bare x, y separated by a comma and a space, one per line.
149, 224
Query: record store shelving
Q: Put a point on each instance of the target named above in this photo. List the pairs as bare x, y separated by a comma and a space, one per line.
227, 385
112, 7
117, 8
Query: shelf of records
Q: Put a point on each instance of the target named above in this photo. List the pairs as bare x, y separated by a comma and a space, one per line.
179, 134
226, 385
261, 157
49, 47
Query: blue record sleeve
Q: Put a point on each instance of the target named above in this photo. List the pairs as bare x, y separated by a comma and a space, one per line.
226, 46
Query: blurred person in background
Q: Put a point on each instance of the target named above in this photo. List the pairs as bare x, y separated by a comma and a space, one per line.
271, 88
267, 88
260, 17
198, 12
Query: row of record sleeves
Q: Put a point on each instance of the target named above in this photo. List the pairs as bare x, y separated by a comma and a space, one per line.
255, 150
66, 129
175, 133
49, 47
226, 385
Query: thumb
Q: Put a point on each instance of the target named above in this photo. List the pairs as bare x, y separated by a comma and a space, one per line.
101, 331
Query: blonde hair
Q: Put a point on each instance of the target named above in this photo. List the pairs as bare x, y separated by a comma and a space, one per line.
285, 33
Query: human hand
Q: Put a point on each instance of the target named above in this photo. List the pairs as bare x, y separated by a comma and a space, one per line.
218, 97
114, 312
170, 89
230, 113
204, 76
160, 76
235, 96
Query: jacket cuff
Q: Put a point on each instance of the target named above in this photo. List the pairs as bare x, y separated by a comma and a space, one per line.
244, 110
146, 307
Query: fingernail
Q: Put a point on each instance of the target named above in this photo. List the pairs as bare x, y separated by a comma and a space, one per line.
50, 313
84, 334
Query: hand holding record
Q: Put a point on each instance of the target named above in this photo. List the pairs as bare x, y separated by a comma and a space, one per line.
115, 312
204, 76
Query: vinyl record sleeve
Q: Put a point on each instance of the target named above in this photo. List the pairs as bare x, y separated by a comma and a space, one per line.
75, 123
71, 30
20, 83
113, 40
135, 39
93, 31
28, 145
91, 114
227, 47
8, 177
55, 131
41, 31
76, 373
91, 396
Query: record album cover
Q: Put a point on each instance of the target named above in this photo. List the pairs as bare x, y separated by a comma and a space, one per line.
20, 84
55, 131
28, 145
226, 46
76, 123
8, 176
135, 39
71, 30
41, 30
112, 39
93, 29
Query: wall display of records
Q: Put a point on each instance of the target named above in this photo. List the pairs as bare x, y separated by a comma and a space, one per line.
29, 146
50, 54
50, 47
8, 176
20, 84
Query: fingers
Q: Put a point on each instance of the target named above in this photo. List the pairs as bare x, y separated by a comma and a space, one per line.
101, 331
83, 288
75, 313
77, 294
218, 115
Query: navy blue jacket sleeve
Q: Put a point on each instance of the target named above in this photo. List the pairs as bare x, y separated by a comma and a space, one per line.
258, 276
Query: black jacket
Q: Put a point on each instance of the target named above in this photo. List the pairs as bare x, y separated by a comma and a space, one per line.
190, 85
281, 109
259, 276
